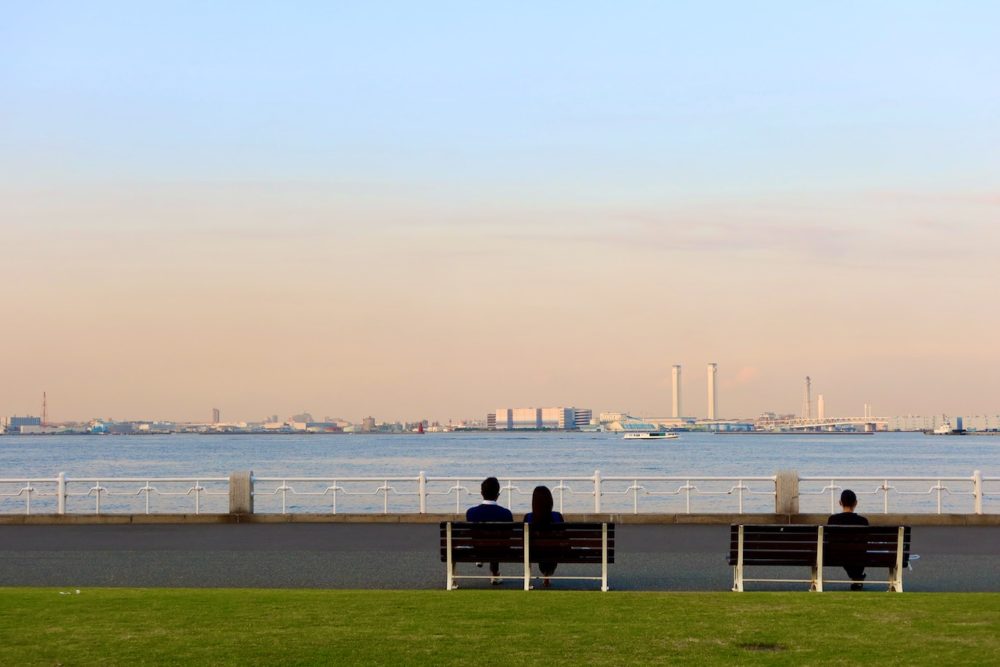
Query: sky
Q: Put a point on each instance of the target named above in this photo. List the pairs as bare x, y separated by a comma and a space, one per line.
430, 210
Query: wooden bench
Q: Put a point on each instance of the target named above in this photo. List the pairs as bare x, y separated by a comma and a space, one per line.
468, 542
817, 547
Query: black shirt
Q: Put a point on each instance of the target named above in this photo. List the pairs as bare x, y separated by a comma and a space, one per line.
847, 519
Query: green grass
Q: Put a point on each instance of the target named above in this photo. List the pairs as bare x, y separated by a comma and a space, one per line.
493, 627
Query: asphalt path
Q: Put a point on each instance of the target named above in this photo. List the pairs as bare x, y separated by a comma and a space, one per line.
405, 556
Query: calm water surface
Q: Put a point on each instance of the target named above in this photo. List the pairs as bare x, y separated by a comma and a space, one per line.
542, 456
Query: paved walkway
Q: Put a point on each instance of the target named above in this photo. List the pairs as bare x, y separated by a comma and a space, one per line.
405, 556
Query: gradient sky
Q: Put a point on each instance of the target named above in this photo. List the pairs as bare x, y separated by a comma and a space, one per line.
433, 209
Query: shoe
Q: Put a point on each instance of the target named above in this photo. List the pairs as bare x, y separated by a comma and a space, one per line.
857, 587
496, 581
479, 564
546, 583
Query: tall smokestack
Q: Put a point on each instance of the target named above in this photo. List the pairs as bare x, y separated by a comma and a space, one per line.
713, 403
807, 400
676, 373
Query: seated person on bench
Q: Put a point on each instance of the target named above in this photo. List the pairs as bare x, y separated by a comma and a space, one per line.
490, 510
542, 513
848, 501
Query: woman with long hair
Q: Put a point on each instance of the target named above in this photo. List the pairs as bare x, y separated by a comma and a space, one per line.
542, 513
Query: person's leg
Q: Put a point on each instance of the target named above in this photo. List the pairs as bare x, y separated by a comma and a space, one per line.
857, 575
547, 570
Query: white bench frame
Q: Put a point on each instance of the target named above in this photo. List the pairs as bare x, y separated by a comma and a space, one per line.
816, 580
451, 565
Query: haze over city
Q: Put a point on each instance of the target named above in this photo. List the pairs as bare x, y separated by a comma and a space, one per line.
268, 211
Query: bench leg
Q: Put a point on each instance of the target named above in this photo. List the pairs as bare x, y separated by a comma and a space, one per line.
817, 571
604, 557
738, 568
527, 558
449, 564
895, 580
816, 586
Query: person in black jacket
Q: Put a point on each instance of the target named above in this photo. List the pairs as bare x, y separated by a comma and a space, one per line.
849, 501
542, 513
490, 510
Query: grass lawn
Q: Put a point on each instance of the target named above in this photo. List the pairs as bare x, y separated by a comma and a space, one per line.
493, 627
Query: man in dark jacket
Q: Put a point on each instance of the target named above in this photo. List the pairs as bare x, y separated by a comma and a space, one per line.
490, 510
848, 501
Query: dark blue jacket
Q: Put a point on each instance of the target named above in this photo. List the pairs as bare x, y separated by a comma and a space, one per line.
556, 517
488, 513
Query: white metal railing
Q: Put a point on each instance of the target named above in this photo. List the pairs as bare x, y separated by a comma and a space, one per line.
580, 494
422, 494
925, 490
96, 494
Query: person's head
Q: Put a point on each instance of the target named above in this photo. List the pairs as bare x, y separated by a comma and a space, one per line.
490, 488
848, 500
541, 503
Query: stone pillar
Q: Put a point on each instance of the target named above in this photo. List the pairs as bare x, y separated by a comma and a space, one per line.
241, 492
786, 492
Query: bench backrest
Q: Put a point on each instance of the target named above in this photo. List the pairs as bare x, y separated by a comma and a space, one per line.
483, 542
504, 542
569, 542
869, 546
774, 545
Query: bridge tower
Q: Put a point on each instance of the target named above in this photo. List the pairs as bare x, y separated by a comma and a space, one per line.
676, 376
807, 400
713, 401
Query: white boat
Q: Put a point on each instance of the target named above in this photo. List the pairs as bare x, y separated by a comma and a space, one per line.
650, 435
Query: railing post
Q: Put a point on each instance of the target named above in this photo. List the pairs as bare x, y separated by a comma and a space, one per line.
977, 490
61, 493
241, 492
597, 492
786, 492
422, 491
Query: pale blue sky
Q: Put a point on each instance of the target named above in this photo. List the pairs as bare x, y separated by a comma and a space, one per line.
690, 98
429, 209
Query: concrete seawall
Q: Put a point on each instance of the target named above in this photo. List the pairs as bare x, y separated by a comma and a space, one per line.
956, 520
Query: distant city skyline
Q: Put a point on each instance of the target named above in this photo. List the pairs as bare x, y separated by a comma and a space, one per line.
426, 210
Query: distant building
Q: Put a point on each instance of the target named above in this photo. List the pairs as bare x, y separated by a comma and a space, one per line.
610, 417
491, 420
557, 418
368, 424
17, 425
216, 415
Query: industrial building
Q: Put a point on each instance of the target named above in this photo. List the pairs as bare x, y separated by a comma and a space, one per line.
557, 418
15, 425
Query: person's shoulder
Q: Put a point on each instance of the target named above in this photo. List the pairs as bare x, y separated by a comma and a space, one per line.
527, 518
557, 517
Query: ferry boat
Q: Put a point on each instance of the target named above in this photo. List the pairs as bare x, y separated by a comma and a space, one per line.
650, 435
